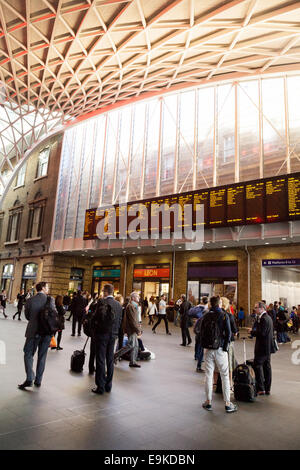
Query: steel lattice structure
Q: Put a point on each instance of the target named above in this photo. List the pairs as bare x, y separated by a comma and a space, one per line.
66, 59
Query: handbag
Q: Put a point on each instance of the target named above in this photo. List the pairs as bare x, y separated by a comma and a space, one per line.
53, 343
275, 346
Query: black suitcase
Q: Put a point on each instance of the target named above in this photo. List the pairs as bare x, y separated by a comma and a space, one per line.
77, 359
244, 380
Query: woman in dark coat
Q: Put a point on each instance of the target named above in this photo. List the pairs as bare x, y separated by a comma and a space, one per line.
21, 302
281, 326
61, 316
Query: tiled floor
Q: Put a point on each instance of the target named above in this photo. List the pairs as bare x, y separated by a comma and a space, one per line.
155, 407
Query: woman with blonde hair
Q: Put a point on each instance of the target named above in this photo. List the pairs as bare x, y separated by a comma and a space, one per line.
119, 298
225, 305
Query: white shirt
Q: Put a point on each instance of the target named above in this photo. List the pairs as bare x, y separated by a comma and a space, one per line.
162, 307
152, 308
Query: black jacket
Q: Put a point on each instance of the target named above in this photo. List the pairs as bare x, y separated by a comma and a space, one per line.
61, 316
78, 305
117, 310
263, 332
233, 327
184, 317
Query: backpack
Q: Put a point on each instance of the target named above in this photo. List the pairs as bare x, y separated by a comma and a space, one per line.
244, 383
103, 320
48, 320
210, 334
197, 327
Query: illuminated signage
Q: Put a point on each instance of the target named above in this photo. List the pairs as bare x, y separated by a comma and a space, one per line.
151, 272
262, 201
107, 272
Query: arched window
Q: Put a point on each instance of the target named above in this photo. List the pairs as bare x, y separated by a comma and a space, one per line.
43, 161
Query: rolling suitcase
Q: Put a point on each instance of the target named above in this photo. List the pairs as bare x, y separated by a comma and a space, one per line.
244, 380
77, 359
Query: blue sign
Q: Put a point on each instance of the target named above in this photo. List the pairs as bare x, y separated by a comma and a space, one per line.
281, 262
105, 272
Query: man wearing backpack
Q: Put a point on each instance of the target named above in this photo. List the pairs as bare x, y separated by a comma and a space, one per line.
105, 324
215, 334
35, 338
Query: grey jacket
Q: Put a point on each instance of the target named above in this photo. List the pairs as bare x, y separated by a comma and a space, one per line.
33, 307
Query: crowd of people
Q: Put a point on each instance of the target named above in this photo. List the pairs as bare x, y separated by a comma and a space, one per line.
110, 320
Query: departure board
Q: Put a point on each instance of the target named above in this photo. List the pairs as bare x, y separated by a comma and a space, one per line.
217, 207
254, 202
276, 202
262, 201
294, 197
235, 205
201, 197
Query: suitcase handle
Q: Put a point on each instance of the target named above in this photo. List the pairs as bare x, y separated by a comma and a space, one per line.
85, 343
245, 354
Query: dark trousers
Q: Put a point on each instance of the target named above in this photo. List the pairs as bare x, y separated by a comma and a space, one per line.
76, 319
185, 335
160, 318
104, 355
151, 320
18, 313
120, 338
263, 373
31, 345
59, 335
199, 353
92, 356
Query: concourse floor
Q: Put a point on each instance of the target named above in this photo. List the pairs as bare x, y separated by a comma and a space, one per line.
152, 408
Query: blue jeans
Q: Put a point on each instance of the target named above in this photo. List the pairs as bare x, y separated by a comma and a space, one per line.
199, 353
282, 337
41, 343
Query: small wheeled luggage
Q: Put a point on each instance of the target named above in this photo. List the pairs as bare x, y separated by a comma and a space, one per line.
244, 380
77, 359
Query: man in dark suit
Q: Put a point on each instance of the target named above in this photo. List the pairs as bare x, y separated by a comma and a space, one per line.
184, 320
34, 339
262, 330
78, 309
106, 330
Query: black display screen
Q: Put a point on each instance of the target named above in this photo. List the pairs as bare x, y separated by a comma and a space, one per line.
293, 197
235, 205
254, 202
276, 202
217, 207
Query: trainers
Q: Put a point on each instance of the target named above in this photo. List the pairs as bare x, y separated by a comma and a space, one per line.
231, 408
199, 370
154, 332
206, 406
